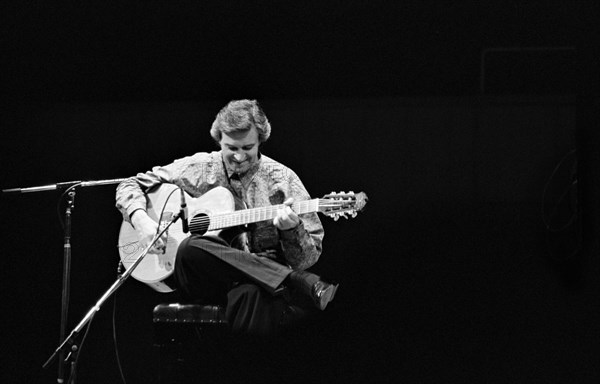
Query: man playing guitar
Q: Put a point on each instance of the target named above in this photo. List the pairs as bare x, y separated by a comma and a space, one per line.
247, 272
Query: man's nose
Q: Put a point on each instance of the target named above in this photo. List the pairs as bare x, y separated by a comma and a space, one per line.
239, 156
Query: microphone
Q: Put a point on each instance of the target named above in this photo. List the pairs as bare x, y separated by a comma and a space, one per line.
184, 212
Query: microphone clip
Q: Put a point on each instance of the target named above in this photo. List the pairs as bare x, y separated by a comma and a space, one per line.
183, 213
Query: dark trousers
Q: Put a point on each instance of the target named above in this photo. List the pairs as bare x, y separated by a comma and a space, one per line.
207, 270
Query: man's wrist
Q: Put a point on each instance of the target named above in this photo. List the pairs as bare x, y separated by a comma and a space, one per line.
291, 232
137, 216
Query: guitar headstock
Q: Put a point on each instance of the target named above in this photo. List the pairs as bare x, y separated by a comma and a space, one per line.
342, 204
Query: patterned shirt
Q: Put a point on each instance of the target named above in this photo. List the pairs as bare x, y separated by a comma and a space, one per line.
266, 183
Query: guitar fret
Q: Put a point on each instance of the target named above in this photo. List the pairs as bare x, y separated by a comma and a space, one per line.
262, 214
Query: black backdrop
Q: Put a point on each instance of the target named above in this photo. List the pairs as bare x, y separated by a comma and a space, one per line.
452, 271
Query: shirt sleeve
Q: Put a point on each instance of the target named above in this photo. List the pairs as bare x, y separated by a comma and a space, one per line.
131, 193
302, 245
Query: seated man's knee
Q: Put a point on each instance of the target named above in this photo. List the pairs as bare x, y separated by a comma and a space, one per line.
191, 251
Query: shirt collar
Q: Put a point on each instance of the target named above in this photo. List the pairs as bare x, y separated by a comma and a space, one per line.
244, 177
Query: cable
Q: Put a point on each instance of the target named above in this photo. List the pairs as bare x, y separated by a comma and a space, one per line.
114, 326
114, 322
162, 211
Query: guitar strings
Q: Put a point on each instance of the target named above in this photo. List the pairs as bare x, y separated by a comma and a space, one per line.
253, 212
236, 218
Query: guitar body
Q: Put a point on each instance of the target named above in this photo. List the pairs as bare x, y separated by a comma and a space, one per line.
216, 201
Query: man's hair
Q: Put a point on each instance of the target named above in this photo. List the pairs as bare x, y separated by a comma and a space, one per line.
240, 116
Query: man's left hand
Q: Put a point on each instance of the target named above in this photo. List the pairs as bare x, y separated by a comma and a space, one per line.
286, 218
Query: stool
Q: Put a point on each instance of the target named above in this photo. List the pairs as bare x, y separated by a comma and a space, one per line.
194, 343
190, 339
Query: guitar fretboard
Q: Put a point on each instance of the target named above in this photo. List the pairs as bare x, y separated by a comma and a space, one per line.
253, 215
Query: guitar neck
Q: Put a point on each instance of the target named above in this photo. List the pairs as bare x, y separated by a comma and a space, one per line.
254, 215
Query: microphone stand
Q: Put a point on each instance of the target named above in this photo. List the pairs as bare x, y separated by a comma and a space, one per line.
113, 288
65, 293
66, 279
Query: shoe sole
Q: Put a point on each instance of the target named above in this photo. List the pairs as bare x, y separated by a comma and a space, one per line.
328, 296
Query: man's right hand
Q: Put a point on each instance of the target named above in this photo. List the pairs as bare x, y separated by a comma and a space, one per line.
146, 229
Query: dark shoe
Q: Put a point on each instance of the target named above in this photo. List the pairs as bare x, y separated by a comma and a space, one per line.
323, 293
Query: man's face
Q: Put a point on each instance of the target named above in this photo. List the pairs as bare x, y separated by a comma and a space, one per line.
240, 150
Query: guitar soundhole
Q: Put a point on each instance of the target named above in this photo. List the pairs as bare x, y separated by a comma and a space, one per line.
199, 224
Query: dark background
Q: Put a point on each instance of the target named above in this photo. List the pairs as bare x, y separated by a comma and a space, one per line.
477, 256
